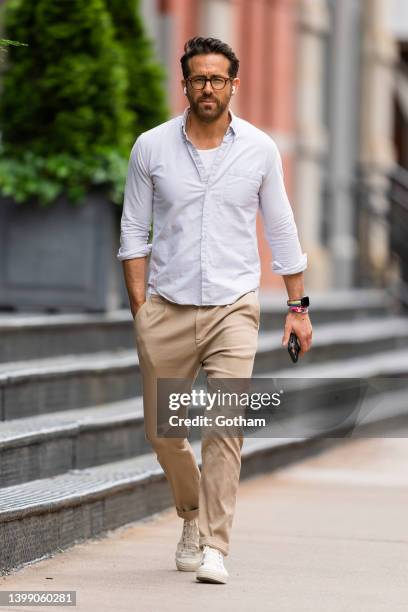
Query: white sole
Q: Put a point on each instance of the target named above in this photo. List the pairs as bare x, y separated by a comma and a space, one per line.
188, 566
210, 576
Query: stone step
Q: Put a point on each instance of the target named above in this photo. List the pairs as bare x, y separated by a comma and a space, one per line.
64, 383
335, 341
68, 382
49, 444
39, 336
45, 515
330, 307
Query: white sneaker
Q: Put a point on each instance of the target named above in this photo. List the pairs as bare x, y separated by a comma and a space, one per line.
188, 553
212, 566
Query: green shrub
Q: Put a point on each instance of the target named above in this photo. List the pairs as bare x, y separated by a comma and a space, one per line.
3, 48
7, 43
146, 94
31, 176
68, 116
67, 93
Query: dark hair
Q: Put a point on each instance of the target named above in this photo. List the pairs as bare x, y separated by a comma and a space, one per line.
200, 46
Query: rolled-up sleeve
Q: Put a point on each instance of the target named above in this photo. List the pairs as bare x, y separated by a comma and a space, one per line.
137, 207
279, 224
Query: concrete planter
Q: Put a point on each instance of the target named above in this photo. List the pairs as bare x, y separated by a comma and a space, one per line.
60, 257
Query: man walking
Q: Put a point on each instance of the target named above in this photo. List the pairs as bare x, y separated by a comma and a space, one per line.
201, 177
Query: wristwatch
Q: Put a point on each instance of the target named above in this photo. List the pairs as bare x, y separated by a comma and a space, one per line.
304, 302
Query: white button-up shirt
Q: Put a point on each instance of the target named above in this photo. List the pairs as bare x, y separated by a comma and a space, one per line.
204, 249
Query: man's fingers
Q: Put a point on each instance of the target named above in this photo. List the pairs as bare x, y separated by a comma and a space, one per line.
305, 343
302, 329
285, 338
286, 334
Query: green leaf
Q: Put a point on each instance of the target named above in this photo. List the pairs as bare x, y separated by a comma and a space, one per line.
74, 102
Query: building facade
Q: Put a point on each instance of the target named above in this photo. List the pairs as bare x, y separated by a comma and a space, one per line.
263, 35
318, 76
324, 79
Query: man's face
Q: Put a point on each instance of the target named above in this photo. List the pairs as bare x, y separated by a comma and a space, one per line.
208, 103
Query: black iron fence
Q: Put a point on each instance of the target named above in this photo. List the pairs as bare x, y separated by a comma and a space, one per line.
382, 225
398, 224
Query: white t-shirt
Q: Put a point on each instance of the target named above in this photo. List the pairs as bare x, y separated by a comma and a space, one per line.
207, 157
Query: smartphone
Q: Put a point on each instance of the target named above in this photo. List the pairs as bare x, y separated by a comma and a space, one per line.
293, 347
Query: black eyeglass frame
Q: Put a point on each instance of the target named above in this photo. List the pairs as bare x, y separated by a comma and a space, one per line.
226, 79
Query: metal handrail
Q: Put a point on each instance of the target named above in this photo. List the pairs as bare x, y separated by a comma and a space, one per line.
398, 224
394, 219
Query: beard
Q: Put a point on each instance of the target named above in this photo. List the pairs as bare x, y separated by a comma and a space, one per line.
208, 112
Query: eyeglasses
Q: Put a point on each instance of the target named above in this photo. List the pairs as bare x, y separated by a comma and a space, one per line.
217, 82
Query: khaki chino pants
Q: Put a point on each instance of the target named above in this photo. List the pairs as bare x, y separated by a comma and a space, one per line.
175, 341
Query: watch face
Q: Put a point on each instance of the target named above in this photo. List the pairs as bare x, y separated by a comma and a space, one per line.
305, 301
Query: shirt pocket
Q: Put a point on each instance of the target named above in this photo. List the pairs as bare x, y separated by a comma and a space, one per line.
241, 190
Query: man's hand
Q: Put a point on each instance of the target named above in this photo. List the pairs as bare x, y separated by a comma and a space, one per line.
299, 324
134, 307
135, 278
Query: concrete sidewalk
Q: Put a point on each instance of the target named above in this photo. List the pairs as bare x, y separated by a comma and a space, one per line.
328, 534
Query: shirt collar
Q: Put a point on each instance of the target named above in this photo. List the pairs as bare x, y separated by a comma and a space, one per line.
233, 126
